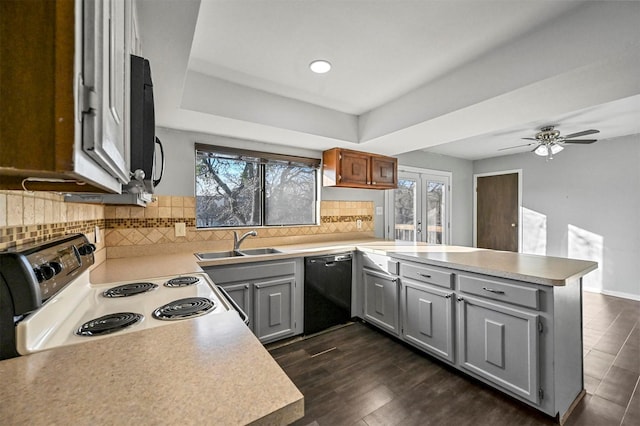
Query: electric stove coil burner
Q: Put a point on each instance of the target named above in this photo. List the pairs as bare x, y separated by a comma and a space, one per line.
182, 281
184, 308
129, 289
109, 323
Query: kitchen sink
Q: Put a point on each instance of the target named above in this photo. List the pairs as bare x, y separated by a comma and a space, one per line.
217, 255
222, 254
258, 251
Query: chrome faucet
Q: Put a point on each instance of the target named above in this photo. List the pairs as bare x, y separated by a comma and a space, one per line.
237, 242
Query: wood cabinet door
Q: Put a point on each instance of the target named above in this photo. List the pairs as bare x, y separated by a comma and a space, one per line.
428, 318
354, 168
381, 300
384, 171
500, 345
274, 308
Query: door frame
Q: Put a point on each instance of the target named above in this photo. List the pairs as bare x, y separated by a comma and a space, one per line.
388, 201
475, 203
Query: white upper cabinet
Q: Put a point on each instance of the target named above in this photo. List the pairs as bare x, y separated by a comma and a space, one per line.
105, 76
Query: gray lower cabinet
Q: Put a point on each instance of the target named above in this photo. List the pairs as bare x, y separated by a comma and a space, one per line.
500, 344
427, 318
274, 308
241, 294
268, 292
381, 300
522, 338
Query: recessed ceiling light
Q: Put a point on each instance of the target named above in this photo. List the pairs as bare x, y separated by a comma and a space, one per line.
320, 66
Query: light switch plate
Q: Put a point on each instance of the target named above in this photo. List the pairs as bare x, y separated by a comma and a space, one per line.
378, 211
181, 229
359, 224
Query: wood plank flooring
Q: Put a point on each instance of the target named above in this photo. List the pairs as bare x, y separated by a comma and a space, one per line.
357, 375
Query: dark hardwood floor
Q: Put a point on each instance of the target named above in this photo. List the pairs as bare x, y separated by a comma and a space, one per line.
357, 375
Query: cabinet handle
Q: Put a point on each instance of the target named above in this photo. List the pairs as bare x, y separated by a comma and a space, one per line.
424, 275
256, 286
339, 178
460, 299
394, 280
448, 296
493, 291
374, 182
246, 286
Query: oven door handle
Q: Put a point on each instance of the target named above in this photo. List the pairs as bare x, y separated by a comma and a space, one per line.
244, 317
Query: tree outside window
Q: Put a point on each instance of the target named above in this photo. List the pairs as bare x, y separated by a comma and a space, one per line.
253, 191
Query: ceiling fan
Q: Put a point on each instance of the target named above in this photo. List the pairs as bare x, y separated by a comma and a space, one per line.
549, 141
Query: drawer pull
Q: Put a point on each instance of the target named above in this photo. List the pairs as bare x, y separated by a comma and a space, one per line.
424, 275
448, 296
493, 291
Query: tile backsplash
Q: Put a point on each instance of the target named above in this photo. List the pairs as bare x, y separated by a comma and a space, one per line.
128, 231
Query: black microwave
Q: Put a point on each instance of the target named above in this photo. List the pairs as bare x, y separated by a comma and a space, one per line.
144, 157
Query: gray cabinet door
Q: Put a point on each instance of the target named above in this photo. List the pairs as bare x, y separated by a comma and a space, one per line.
241, 294
428, 318
381, 300
499, 344
274, 308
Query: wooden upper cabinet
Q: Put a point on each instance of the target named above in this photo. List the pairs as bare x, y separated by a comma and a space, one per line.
355, 169
64, 76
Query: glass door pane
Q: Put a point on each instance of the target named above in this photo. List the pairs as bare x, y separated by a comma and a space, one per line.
418, 210
404, 205
435, 202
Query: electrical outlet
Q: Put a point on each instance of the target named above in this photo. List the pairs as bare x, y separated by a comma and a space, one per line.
96, 233
378, 211
181, 229
359, 224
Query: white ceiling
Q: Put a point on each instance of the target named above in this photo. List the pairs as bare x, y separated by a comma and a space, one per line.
461, 78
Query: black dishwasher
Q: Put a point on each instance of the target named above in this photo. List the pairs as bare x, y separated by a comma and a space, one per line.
327, 291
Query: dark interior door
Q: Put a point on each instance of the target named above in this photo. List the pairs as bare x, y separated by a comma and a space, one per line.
497, 212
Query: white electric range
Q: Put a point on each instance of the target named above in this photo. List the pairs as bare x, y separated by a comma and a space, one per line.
55, 304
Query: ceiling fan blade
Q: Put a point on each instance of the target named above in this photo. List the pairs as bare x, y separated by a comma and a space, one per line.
517, 146
582, 133
530, 139
580, 141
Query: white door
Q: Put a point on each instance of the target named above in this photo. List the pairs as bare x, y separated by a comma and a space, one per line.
419, 209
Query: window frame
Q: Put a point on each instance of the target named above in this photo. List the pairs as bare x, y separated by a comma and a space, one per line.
263, 159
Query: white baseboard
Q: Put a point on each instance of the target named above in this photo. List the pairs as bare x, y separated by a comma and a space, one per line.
613, 293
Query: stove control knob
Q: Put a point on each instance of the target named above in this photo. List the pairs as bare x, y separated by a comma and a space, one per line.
86, 249
38, 273
47, 271
57, 267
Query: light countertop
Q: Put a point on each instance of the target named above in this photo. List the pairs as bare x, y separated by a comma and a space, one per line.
210, 369
536, 269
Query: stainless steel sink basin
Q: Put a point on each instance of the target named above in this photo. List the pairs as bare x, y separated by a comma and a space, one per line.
217, 255
254, 252
248, 252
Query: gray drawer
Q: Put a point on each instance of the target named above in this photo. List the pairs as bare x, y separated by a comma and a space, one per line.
380, 262
250, 271
427, 274
497, 290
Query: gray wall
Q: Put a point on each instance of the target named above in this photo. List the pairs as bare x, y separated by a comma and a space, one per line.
585, 203
461, 190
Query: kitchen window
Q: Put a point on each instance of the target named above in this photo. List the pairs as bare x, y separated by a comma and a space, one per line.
250, 188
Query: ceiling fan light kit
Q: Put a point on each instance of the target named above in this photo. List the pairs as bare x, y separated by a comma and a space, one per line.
550, 142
